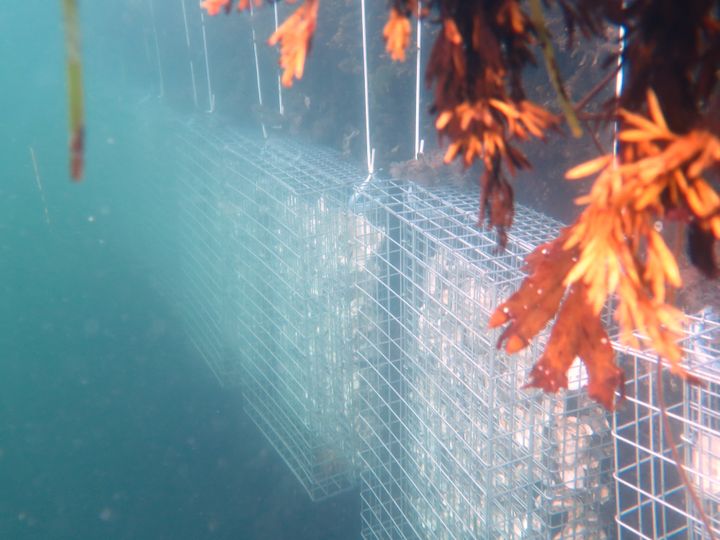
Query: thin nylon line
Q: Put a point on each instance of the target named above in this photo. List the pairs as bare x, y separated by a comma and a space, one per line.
194, 84
211, 96
187, 30
257, 64
187, 41
418, 148
281, 108
618, 88
157, 51
370, 153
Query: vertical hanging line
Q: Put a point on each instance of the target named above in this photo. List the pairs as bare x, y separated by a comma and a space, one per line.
187, 41
38, 183
211, 96
618, 88
419, 143
194, 84
370, 152
281, 108
157, 50
187, 31
257, 66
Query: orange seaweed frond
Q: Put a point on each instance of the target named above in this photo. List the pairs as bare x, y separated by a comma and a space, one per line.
214, 7
397, 35
614, 249
295, 38
242, 5
620, 249
481, 130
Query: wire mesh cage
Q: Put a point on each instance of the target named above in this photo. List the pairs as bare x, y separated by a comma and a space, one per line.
202, 238
352, 312
652, 499
451, 446
270, 313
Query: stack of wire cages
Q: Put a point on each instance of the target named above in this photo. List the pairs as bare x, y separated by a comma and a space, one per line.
451, 446
652, 498
285, 295
202, 232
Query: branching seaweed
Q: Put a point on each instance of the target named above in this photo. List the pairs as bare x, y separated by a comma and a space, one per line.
613, 248
668, 151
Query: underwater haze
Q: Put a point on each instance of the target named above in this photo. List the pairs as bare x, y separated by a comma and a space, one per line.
260, 298
110, 425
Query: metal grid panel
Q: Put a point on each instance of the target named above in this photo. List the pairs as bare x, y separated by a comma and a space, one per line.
356, 326
203, 266
652, 501
450, 445
275, 312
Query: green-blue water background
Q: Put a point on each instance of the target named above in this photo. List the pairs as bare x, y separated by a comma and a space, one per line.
110, 425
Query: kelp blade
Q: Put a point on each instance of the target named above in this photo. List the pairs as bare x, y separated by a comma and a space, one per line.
75, 91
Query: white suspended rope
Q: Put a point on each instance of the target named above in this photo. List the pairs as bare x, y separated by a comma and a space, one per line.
187, 30
211, 96
194, 84
257, 66
281, 108
419, 143
157, 50
618, 86
38, 183
187, 40
368, 149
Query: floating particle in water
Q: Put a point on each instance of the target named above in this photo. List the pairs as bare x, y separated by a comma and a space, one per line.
91, 327
213, 524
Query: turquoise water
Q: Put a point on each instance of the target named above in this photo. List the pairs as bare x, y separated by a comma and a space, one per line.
110, 425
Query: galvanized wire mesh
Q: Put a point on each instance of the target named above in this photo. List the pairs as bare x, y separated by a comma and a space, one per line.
451, 447
203, 266
652, 499
353, 314
269, 304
